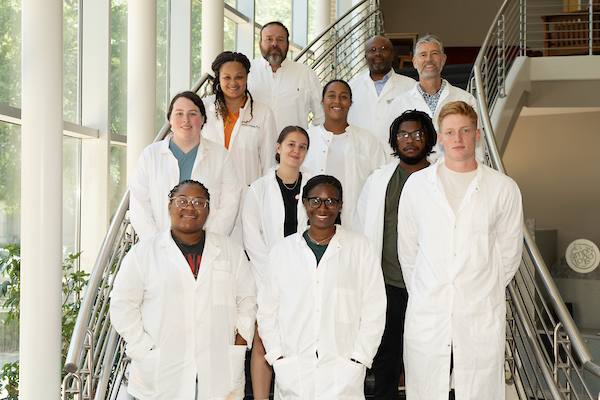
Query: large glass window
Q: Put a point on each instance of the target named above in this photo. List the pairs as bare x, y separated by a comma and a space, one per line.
71, 188
162, 26
118, 67
267, 11
10, 53
71, 60
10, 184
229, 35
311, 21
196, 41
118, 177
10, 225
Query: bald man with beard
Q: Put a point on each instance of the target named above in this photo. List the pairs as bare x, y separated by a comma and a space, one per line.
375, 89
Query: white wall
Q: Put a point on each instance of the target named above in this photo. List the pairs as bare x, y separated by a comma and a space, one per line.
554, 159
452, 21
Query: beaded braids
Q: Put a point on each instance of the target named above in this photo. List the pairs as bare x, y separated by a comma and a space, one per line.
426, 125
186, 182
225, 57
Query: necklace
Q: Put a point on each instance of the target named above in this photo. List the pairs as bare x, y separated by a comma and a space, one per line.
315, 241
295, 183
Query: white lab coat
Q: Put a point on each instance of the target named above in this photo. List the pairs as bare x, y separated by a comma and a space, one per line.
456, 269
371, 205
253, 139
291, 92
263, 218
157, 172
363, 155
178, 328
369, 111
336, 310
413, 100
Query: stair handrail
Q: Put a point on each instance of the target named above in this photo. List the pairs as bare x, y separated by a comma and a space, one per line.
326, 30
339, 40
478, 89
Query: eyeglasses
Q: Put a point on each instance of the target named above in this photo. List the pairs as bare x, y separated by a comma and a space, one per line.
183, 202
315, 202
416, 135
375, 49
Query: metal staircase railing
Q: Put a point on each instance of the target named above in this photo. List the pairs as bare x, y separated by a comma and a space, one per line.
546, 357
338, 52
96, 361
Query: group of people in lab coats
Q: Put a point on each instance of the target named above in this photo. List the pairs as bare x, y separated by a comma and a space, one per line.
243, 215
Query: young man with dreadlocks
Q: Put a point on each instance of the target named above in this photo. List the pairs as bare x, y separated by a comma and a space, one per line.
411, 137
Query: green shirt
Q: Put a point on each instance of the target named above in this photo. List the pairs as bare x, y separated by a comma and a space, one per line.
392, 273
318, 250
185, 160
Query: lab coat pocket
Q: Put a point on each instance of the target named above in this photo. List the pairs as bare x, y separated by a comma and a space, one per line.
144, 374
484, 321
349, 380
223, 285
346, 307
288, 378
237, 363
420, 320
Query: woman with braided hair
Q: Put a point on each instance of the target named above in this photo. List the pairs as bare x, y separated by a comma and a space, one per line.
244, 126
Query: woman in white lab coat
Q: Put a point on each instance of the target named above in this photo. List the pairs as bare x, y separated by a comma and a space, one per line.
322, 303
234, 120
184, 301
273, 210
183, 155
345, 151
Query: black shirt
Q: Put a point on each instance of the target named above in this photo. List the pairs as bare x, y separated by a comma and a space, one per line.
291, 196
192, 253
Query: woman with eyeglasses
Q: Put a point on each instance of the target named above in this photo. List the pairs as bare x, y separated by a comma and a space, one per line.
184, 301
345, 151
183, 155
322, 304
273, 210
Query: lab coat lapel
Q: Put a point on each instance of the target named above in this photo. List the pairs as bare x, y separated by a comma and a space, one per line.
176, 258
472, 189
334, 245
387, 87
241, 118
209, 255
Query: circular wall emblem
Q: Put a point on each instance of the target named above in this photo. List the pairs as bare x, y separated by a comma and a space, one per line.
582, 256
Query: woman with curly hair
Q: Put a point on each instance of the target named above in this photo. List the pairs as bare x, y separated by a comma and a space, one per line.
244, 126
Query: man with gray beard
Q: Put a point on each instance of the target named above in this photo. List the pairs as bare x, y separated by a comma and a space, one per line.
291, 89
